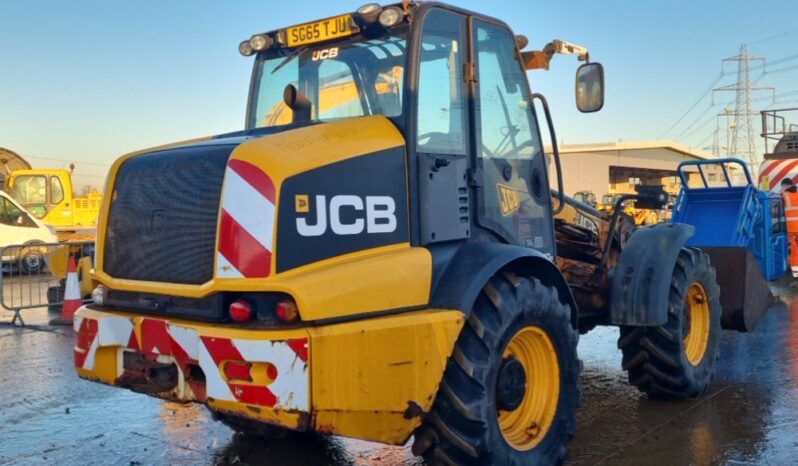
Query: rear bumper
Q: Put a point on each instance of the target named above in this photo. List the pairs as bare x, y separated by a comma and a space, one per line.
210, 363
365, 379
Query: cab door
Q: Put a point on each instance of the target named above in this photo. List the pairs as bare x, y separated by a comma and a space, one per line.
514, 200
441, 139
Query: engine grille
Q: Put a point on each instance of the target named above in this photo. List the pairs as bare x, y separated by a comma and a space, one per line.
163, 218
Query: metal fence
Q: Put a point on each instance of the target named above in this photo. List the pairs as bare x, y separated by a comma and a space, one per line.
34, 275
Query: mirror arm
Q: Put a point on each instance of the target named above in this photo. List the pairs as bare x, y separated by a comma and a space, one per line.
555, 151
540, 59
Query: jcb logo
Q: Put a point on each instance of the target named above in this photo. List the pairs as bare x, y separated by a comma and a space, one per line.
509, 199
372, 214
325, 54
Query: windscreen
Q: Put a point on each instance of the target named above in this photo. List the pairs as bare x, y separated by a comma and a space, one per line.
345, 79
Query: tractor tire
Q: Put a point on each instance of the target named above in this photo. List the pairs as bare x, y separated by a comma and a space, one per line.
510, 390
677, 360
250, 428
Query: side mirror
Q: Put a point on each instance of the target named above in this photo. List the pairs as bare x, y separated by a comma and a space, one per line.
590, 87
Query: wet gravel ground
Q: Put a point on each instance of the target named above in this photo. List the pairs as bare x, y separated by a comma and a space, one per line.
750, 416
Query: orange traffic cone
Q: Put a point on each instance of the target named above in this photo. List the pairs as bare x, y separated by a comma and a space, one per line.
72, 298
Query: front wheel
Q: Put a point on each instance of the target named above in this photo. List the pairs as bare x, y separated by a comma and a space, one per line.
677, 359
510, 391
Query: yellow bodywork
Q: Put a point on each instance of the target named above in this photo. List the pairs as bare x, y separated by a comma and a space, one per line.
71, 211
58, 265
368, 378
349, 284
372, 376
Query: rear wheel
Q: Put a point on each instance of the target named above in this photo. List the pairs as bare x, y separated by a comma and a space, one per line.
510, 391
677, 360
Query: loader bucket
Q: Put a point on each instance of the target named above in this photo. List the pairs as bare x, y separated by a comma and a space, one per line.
745, 295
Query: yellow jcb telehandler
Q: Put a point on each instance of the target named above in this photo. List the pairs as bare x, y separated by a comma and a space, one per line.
388, 268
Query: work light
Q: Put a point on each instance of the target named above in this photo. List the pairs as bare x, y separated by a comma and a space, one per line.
260, 42
368, 13
245, 48
391, 16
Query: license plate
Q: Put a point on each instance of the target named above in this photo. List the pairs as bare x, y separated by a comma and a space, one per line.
318, 31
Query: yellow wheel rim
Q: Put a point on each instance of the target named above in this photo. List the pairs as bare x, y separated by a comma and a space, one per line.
526, 426
696, 338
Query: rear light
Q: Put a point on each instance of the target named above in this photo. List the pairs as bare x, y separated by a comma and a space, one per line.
240, 311
286, 310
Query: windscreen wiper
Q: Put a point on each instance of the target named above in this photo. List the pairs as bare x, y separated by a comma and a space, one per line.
288, 58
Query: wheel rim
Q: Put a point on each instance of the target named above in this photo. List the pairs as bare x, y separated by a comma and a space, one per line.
32, 261
527, 425
696, 333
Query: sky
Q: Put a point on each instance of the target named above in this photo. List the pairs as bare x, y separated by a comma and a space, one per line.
86, 81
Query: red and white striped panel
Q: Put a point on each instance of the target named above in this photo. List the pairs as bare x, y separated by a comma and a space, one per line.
92, 334
184, 345
246, 227
771, 172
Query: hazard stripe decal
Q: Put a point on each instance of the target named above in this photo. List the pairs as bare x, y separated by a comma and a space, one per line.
242, 250
246, 224
255, 177
87, 336
156, 339
222, 349
782, 173
768, 166
287, 360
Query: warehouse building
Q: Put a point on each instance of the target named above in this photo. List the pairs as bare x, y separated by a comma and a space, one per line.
617, 167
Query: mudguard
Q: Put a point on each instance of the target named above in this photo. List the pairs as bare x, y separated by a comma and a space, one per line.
460, 271
642, 278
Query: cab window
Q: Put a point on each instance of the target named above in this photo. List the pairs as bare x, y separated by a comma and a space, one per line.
11, 215
441, 88
56, 190
30, 189
502, 102
349, 78
515, 202
338, 92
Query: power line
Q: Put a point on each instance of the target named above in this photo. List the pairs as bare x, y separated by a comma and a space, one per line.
698, 128
63, 161
781, 70
776, 36
775, 62
693, 123
692, 106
